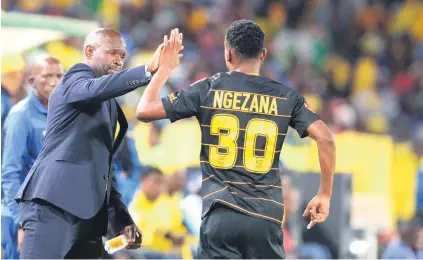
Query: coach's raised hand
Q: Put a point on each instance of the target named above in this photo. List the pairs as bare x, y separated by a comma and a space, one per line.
153, 66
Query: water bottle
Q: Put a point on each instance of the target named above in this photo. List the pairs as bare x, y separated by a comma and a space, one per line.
115, 244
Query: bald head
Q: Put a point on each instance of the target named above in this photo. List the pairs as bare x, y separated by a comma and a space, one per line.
44, 73
38, 63
104, 51
101, 35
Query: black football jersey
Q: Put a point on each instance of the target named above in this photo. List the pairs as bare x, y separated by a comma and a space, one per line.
244, 120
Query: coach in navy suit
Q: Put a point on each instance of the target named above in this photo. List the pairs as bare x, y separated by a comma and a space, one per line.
69, 198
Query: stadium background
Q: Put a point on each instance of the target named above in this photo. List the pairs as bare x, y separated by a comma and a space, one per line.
359, 63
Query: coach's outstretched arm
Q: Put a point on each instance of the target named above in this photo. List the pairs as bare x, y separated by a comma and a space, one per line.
81, 84
101, 77
319, 206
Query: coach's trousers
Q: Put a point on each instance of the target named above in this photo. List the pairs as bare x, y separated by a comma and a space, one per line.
50, 232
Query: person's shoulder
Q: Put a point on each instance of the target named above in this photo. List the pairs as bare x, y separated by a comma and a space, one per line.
285, 89
207, 80
19, 112
77, 71
282, 89
282, 86
217, 76
20, 108
202, 85
212, 80
80, 69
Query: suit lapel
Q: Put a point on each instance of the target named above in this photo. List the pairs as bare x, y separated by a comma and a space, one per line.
123, 125
113, 117
110, 131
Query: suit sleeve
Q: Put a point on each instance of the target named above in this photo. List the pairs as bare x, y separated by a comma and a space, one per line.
119, 216
81, 84
186, 103
302, 115
16, 132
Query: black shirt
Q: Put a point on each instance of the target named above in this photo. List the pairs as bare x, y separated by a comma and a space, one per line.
244, 120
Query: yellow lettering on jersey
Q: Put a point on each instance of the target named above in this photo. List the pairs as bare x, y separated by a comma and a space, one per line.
247, 97
264, 104
227, 99
218, 99
236, 101
273, 107
254, 104
242, 101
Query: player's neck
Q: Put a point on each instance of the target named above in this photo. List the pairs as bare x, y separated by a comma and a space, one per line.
251, 69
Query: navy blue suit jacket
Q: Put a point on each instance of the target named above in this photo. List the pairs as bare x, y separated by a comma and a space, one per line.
73, 170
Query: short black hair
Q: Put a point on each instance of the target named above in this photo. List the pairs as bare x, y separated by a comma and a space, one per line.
148, 171
246, 38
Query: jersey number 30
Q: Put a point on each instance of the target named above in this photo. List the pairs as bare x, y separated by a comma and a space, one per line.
224, 155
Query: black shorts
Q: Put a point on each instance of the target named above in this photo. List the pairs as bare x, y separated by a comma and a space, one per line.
227, 233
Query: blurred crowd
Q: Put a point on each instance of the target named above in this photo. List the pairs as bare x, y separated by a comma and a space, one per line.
359, 63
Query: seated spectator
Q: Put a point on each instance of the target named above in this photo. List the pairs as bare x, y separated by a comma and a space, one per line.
159, 218
409, 245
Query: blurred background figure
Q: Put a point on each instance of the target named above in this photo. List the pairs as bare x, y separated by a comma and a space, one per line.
358, 63
23, 138
158, 216
12, 72
409, 244
127, 168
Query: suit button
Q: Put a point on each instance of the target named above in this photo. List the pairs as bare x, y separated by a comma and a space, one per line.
105, 177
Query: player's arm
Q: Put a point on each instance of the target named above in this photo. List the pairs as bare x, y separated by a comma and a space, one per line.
150, 106
324, 138
307, 123
16, 132
176, 106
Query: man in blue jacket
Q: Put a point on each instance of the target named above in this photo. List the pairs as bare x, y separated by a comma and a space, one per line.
69, 198
24, 131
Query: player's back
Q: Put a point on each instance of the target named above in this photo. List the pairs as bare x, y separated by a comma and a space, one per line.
244, 120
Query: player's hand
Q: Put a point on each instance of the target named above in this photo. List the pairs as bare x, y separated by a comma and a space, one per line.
317, 209
133, 235
20, 238
170, 55
153, 66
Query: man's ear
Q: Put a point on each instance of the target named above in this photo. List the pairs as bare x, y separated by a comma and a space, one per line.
31, 80
228, 56
89, 51
263, 54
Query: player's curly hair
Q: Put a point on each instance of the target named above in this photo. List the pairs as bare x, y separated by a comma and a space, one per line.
246, 38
